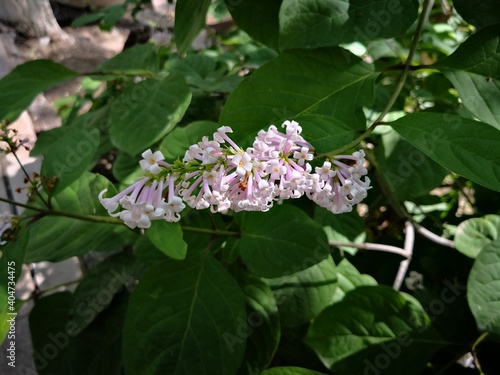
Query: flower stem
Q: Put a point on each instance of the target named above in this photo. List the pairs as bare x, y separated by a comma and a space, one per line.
399, 85
216, 232
111, 220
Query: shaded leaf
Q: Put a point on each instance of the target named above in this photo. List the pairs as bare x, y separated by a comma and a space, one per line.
474, 70
281, 242
258, 18
302, 295
177, 312
19, 87
483, 288
263, 324
480, 13
350, 335
168, 238
328, 82
447, 140
408, 171
320, 23
189, 20
55, 238
70, 157
145, 112
473, 234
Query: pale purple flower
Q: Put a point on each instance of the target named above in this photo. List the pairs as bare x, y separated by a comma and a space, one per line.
150, 161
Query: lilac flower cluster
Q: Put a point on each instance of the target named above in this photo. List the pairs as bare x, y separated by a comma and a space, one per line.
218, 174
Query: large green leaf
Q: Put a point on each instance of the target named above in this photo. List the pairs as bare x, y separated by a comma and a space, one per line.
189, 20
408, 172
11, 261
97, 289
259, 18
167, 237
51, 333
138, 59
281, 242
182, 316
447, 140
374, 328
480, 13
19, 87
70, 157
325, 133
290, 371
320, 23
473, 234
483, 288
349, 278
302, 295
61, 348
146, 111
474, 70
176, 143
328, 82
263, 324
56, 238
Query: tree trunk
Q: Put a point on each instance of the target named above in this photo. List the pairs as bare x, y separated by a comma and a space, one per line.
31, 17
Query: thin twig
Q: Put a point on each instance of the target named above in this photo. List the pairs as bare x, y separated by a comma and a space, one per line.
372, 246
408, 246
433, 236
426, 7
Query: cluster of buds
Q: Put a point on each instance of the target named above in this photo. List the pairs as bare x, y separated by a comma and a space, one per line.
219, 175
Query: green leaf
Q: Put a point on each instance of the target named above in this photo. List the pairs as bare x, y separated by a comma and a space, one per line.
473, 234
258, 18
189, 20
281, 242
348, 227
290, 371
182, 317
138, 59
480, 13
328, 82
70, 157
98, 349
373, 328
447, 140
483, 288
320, 23
408, 172
349, 278
11, 261
167, 237
145, 112
177, 142
51, 333
87, 18
325, 133
61, 348
474, 70
55, 238
302, 295
263, 323
97, 289
19, 87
